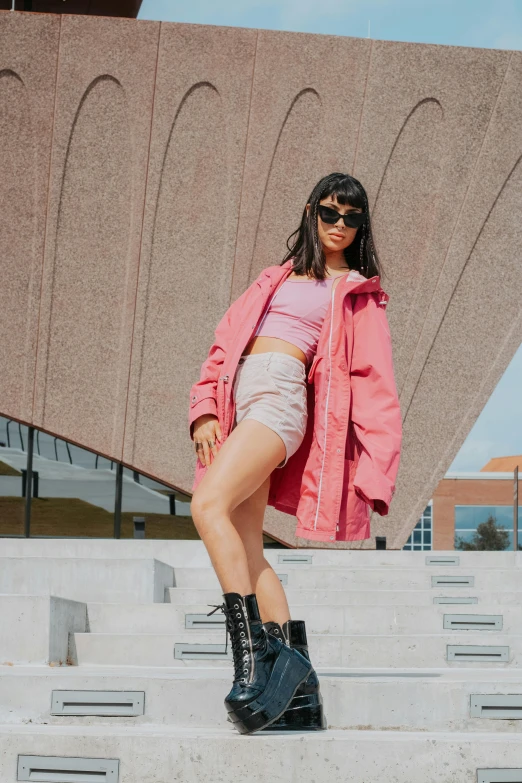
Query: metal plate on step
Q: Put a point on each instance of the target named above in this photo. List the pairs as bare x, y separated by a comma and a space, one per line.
454, 581
283, 578
499, 775
295, 559
476, 652
204, 623
98, 703
202, 652
73, 769
496, 706
473, 622
455, 599
447, 560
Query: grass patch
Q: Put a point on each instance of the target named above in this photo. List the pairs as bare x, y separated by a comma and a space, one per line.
74, 517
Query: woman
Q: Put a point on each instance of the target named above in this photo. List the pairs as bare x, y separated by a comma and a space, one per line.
336, 444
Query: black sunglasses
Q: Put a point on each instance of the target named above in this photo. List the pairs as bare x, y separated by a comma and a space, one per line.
351, 219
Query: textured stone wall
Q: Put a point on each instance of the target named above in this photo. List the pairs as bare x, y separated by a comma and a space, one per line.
151, 170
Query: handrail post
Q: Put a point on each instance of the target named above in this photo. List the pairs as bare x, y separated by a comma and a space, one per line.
117, 503
515, 510
29, 483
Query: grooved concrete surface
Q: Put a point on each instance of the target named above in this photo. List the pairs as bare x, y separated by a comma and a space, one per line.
151, 170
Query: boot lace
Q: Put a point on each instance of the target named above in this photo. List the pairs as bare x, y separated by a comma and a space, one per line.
238, 637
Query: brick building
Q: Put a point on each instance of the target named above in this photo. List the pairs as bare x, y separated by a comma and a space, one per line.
462, 500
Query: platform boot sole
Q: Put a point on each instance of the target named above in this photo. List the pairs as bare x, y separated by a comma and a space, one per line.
305, 713
287, 675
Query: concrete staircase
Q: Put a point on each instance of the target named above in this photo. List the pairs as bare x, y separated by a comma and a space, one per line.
111, 670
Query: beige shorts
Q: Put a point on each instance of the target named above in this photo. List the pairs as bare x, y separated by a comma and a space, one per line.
270, 387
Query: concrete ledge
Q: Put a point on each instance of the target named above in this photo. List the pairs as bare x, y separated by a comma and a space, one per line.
36, 628
390, 699
325, 650
370, 578
167, 753
190, 554
352, 597
397, 619
87, 579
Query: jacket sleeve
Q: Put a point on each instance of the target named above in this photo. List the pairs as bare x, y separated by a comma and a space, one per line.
203, 393
376, 413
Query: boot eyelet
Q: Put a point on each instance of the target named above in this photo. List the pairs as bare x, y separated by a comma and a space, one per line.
238, 615
241, 633
236, 606
241, 625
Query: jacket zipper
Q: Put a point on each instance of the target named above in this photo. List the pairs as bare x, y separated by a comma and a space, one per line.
326, 408
223, 378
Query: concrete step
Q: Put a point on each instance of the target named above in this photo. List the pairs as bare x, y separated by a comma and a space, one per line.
387, 699
358, 597
331, 578
325, 650
164, 753
36, 628
163, 618
124, 580
193, 553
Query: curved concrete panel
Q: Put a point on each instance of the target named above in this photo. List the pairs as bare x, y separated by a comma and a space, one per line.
86, 342
28, 60
101, 136
199, 129
409, 202
18, 164
288, 150
298, 140
169, 163
193, 180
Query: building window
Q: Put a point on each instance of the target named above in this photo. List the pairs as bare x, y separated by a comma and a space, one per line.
421, 536
468, 518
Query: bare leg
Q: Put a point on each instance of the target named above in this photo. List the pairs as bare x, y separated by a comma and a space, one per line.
247, 518
245, 460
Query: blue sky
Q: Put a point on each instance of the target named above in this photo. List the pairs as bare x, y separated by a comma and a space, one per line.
498, 430
480, 23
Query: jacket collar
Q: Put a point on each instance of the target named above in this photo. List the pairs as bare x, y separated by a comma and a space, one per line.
353, 283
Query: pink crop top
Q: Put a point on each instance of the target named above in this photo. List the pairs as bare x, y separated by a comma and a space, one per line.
296, 313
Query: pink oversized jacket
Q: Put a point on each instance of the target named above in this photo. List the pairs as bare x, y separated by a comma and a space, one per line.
349, 456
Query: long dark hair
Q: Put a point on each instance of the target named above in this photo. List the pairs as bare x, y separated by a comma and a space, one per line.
307, 250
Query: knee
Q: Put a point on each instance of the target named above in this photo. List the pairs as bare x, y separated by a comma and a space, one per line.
205, 507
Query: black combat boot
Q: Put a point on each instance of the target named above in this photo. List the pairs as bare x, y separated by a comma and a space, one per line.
267, 672
305, 711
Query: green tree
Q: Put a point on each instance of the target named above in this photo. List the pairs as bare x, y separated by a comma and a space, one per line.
489, 537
